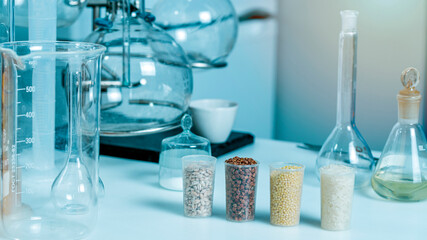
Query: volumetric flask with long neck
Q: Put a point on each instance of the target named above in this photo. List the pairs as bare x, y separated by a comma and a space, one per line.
49, 158
345, 145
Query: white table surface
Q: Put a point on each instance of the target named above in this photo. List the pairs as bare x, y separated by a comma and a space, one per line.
136, 207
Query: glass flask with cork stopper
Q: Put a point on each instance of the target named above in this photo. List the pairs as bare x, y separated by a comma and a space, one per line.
176, 147
401, 173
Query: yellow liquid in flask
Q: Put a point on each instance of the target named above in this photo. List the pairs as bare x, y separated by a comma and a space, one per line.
399, 187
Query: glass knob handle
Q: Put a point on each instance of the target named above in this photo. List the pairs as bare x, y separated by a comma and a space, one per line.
186, 122
410, 78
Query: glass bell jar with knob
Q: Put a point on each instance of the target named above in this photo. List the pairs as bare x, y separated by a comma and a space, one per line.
401, 173
176, 147
146, 78
345, 145
206, 29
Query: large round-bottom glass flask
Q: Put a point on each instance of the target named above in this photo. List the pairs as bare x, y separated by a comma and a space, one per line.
206, 29
146, 79
50, 139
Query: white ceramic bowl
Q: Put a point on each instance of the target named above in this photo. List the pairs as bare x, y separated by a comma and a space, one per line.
213, 118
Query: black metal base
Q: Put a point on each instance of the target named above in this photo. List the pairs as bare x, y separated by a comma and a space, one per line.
148, 147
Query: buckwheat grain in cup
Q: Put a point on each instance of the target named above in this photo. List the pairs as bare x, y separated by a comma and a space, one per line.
285, 193
241, 182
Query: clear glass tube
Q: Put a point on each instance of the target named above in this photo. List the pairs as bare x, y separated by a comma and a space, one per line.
7, 21
347, 62
345, 145
126, 42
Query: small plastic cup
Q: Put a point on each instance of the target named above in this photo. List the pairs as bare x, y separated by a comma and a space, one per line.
336, 188
198, 185
241, 185
285, 193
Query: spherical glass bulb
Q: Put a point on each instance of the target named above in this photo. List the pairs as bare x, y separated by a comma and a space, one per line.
206, 29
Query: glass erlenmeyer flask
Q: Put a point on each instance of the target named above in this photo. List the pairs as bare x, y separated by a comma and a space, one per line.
401, 173
146, 78
345, 145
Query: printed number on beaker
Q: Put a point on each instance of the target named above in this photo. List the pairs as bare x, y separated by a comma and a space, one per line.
28, 115
28, 165
30, 89
27, 191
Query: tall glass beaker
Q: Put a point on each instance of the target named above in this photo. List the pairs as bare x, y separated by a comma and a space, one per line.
49, 189
345, 145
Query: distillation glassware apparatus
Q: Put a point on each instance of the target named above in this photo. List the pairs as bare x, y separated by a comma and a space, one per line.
51, 195
147, 80
345, 145
401, 172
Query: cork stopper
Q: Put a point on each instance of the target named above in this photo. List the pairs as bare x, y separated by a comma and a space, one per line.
409, 98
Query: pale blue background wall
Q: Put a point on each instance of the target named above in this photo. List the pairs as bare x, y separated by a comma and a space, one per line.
300, 103
392, 36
